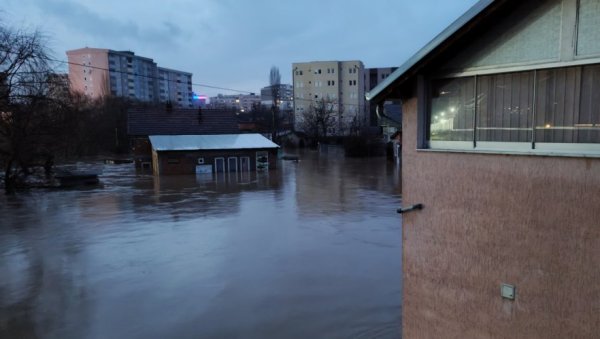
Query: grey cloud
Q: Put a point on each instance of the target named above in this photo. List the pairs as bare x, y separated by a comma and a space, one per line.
78, 17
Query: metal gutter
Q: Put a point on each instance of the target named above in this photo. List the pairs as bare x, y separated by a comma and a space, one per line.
432, 45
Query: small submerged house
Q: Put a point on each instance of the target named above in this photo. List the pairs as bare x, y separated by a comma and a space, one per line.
145, 121
231, 153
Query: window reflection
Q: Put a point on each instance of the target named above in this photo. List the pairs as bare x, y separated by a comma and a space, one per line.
452, 108
566, 109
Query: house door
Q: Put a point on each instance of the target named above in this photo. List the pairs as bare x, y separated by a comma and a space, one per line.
232, 163
245, 164
219, 165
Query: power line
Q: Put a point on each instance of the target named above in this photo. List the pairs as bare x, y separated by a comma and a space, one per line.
333, 102
133, 74
174, 81
147, 76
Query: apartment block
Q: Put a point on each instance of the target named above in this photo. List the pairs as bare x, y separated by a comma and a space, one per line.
240, 102
247, 101
373, 77
338, 82
286, 96
175, 86
98, 72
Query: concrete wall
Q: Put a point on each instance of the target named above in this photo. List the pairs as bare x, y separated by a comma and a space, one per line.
88, 71
530, 221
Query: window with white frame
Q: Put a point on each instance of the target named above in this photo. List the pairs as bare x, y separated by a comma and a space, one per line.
545, 109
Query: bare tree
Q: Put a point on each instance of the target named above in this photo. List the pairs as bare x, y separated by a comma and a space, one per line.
275, 85
28, 103
319, 119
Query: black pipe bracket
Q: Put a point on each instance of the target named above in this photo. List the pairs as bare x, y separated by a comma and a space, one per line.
415, 207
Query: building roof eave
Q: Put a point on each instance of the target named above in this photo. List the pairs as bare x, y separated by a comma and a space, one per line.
401, 74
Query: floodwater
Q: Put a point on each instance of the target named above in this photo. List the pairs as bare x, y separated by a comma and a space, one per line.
311, 250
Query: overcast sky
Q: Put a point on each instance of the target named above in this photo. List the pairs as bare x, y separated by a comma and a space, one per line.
234, 43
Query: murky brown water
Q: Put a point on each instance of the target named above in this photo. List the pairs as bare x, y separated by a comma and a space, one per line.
311, 250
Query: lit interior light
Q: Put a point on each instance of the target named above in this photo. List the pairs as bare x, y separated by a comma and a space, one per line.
452, 109
443, 114
548, 126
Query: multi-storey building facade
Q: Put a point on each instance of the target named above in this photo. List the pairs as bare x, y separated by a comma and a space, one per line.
175, 86
341, 83
130, 76
242, 103
286, 96
247, 101
374, 76
98, 72
223, 101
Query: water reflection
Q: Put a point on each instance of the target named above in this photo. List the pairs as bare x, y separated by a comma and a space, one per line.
309, 250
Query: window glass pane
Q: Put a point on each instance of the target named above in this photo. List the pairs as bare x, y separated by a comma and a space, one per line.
452, 109
504, 107
568, 109
588, 122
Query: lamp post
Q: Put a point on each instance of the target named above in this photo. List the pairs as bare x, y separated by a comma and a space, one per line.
293, 122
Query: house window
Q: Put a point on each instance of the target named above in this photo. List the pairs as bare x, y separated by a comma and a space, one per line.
452, 106
504, 107
538, 109
567, 109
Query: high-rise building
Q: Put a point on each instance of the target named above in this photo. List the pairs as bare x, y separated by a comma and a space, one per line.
175, 86
339, 83
98, 72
